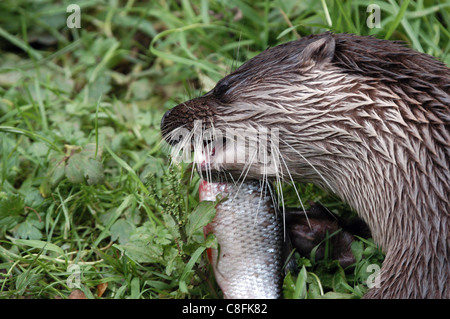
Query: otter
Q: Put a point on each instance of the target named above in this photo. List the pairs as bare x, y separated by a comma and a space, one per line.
364, 118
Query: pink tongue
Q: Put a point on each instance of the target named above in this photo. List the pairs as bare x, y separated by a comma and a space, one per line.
205, 158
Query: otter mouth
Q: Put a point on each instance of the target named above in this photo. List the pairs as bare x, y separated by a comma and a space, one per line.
232, 153
210, 161
222, 159
251, 152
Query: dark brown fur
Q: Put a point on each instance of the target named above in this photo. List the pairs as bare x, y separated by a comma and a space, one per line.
309, 230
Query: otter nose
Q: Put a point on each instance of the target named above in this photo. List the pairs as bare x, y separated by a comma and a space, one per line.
168, 123
163, 122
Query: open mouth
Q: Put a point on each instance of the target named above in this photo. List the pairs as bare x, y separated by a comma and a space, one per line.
221, 160
251, 153
209, 159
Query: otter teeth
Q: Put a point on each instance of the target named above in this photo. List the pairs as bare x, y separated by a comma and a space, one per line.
203, 156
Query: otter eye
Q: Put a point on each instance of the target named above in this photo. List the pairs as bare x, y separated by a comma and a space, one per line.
221, 88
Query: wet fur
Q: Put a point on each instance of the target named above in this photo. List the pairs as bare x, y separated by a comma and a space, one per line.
365, 118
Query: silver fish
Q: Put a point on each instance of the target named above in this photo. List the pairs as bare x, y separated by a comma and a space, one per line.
248, 262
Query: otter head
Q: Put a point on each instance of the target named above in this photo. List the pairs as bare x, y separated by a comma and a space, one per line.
290, 113
257, 120
364, 118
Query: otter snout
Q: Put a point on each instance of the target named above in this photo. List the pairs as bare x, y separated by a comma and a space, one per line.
179, 122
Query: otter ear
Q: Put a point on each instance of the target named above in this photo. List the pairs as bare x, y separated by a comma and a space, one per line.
319, 52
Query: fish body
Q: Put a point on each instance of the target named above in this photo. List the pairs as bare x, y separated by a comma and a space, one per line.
248, 261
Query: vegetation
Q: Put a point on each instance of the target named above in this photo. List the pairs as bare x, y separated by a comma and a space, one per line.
88, 200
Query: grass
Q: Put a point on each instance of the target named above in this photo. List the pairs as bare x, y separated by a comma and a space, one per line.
87, 199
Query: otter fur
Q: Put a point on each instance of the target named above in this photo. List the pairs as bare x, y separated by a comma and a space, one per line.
367, 119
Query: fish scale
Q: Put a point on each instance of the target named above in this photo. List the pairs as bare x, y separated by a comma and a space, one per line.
248, 261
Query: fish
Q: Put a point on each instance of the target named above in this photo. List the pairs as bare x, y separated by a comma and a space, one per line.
248, 261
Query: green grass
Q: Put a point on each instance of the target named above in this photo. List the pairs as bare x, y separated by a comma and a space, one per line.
84, 180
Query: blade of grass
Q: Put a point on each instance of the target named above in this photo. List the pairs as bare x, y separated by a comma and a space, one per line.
20, 44
204, 65
188, 268
398, 18
41, 105
187, 9
347, 18
96, 125
129, 170
300, 284
4, 160
32, 135
327, 14
204, 9
108, 56
43, 245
